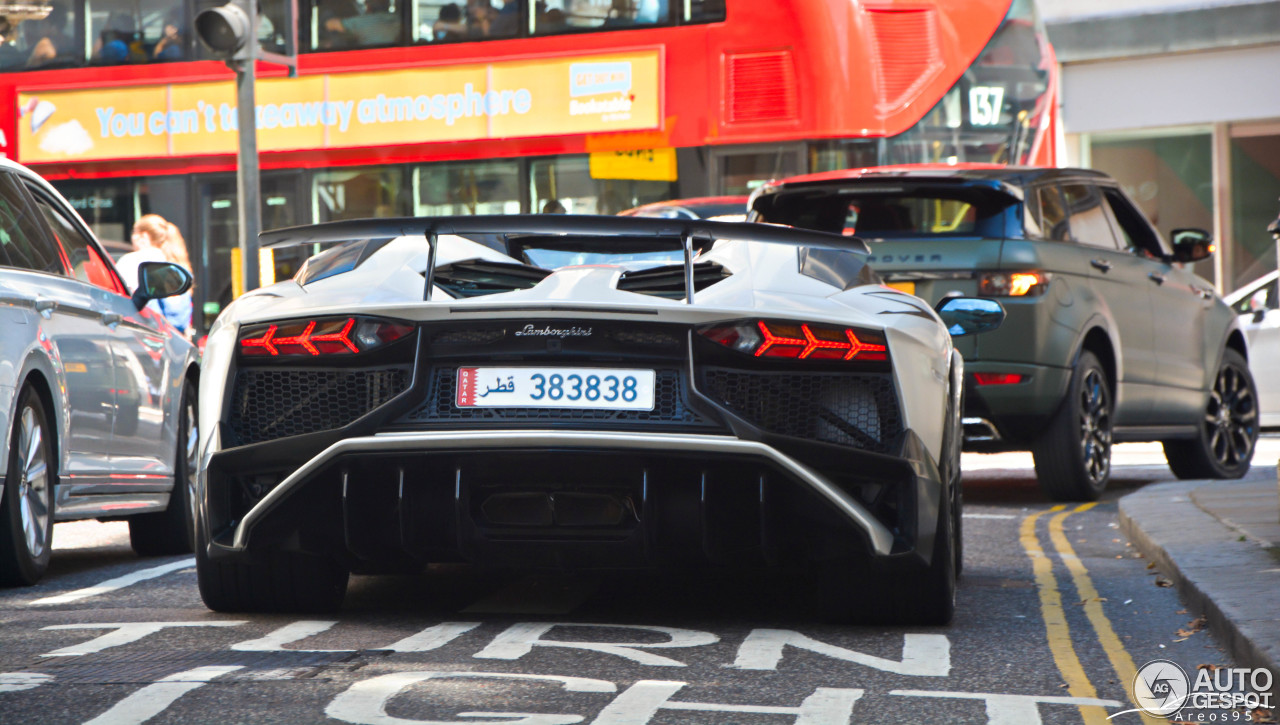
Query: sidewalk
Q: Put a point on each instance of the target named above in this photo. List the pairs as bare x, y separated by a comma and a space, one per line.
1219, 542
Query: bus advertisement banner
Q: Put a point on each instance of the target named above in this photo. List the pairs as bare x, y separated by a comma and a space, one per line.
533, 97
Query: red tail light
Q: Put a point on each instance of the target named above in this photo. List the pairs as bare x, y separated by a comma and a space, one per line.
799, 340
325, 336
998, 378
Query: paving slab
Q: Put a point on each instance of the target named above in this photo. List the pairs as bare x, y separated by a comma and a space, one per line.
1219, 543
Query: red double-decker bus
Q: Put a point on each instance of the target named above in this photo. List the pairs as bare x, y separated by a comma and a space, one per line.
418, 107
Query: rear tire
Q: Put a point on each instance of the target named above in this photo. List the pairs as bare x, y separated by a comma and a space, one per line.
281, 582
1073, 454
1228, 431
912, 594
26, 511
172, 531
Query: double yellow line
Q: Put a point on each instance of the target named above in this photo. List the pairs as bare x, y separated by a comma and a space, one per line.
1055, 617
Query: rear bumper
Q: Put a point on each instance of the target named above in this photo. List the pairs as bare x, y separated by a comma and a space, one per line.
629, 500
1018, 411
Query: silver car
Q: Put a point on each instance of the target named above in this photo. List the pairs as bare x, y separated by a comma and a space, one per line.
97, 391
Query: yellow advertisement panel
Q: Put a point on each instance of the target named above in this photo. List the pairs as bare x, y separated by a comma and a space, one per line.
580, 95
73, 125
408, 106
535, 97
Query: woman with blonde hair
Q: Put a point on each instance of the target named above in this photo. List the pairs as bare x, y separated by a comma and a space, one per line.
156, 239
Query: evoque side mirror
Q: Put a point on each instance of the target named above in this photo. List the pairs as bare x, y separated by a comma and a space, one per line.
1191, 245
970, 315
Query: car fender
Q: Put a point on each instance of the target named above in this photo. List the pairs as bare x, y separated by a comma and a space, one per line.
36, 360
1222, 319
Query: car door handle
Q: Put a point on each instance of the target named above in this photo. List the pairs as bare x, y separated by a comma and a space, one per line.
46, 306
111, 318
1101, 264
1156, 277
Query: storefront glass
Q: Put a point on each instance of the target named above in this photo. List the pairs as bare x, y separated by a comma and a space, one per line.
1169, 177
1255, 188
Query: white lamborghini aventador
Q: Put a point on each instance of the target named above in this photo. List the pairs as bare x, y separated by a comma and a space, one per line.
585, 393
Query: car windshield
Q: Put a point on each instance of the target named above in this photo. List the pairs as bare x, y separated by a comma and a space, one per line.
901, 214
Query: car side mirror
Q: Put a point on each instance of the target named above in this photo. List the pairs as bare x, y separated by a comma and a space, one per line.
970, 315
157, 280
1191, 245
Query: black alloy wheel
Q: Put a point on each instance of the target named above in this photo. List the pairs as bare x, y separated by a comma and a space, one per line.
26, 512
1228, 430
1073, 454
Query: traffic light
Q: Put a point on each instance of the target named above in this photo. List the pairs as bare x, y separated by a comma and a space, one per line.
227, 30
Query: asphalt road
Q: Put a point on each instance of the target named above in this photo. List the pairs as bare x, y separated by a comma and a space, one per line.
1055, 612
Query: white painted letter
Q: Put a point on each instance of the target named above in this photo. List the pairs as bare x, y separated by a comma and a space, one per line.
519, 639
1012, 709
153, 699
275, 640
365, 703
122, 634
432, 637
923, 655
19, 681
640, 702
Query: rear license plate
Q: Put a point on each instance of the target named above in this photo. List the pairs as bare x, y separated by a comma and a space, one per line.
908, 287
558, 387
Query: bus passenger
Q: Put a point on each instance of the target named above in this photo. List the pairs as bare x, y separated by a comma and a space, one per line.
52, 44
377, 26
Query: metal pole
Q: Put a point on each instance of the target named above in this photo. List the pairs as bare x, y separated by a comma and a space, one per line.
248, 188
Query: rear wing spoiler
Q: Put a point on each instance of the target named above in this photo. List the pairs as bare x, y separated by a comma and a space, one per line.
687, 234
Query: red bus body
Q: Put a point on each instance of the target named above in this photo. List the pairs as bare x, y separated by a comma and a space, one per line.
772, 72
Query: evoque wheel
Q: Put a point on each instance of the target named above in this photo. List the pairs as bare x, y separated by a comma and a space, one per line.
1228, 430
1073, 454
26, 513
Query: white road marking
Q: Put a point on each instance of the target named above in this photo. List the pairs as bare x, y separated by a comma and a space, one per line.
365, 702
432, 637
275, 640
640, 703
120, 582
989, 516
19, 681
122, 633
519, 640
1012, 709
923, 655
155, 698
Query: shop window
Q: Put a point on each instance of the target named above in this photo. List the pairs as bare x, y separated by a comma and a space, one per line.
476, 187
359, 193
1255, 186
564, 184
50, 42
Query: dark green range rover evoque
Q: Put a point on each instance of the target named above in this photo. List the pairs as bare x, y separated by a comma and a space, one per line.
1108, 338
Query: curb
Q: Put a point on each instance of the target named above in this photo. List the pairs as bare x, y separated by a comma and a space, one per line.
1213, 571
